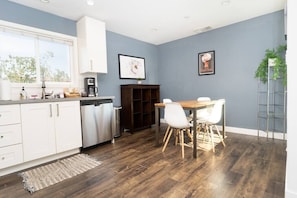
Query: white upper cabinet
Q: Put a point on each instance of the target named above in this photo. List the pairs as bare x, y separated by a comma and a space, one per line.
91, 37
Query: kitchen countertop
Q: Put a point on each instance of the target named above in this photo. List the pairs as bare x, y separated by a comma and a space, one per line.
27, 101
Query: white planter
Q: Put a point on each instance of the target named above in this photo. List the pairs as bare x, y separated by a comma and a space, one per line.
271, 62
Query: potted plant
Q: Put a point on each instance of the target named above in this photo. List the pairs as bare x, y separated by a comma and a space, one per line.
273, 58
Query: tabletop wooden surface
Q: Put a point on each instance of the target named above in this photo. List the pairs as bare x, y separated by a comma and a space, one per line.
191, 104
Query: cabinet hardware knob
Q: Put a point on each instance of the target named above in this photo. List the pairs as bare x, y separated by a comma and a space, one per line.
1, 136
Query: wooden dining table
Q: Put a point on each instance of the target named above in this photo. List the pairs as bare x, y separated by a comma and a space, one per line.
191, 105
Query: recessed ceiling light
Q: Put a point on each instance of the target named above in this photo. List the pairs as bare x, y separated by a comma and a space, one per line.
90, 2
45, 1
225, 2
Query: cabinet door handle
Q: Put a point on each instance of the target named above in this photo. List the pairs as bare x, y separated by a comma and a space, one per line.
58, 110
2, 136
51, 111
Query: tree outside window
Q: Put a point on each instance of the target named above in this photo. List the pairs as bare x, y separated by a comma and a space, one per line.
26, 59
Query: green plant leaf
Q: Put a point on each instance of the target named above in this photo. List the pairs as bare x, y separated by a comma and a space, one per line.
280, 68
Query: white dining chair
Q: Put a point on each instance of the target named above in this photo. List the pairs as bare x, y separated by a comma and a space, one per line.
211, 121
177, 120
204, 112
201, 113
165, 101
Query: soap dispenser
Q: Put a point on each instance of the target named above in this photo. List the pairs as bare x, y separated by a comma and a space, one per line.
23, 94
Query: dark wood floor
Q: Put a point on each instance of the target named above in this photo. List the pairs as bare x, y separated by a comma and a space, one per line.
134, 167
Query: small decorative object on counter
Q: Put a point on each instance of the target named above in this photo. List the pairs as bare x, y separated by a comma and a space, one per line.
23, 94
34, 96
71, 93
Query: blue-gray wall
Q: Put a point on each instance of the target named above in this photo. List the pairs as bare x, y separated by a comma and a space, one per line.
239, 48
17, 13
109, 84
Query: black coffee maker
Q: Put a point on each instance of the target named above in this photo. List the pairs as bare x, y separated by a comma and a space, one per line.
90, 87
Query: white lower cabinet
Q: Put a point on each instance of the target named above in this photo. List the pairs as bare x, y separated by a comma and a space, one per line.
10, 135
68, 126
11, 155
50, 128
38, 130
11, 152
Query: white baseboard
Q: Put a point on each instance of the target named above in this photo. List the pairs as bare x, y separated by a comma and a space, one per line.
254, 132
245, 131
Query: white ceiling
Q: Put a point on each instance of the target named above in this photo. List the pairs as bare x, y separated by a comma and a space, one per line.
159, 21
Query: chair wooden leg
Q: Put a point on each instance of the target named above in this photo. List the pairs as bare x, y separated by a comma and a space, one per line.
189, 135
206, 131
181, 135
198, 131
166, 133
167, 140
219, 134
176, 136
202, 128
211, 134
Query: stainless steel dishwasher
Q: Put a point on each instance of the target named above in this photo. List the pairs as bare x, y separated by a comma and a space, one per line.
96, 117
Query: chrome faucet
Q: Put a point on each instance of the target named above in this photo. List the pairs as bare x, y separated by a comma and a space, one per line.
43, 90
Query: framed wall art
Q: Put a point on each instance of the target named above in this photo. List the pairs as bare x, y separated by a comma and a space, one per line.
131, 67
206, 63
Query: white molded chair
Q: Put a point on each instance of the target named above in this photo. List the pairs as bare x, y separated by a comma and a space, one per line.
165, 101
176, 118
201, 114
211, 122
204, 112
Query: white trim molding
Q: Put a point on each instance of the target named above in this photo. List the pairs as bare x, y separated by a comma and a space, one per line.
253, 132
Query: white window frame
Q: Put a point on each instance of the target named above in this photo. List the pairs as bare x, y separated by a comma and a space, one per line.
51, 35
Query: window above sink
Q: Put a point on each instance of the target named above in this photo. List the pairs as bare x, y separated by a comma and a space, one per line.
29, 55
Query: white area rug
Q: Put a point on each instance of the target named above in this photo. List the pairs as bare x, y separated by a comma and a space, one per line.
47, 175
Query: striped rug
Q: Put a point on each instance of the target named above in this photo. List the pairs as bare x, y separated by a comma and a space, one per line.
47, 175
